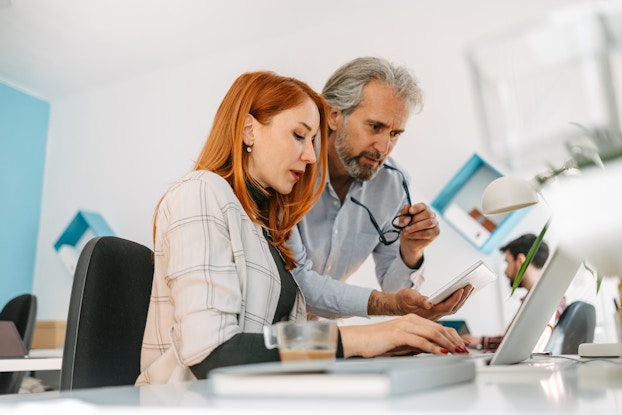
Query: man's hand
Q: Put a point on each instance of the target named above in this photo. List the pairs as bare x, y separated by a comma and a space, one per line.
423, 229
406, 301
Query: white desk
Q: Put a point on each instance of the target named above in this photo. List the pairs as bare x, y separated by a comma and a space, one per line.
38, 359
543, 387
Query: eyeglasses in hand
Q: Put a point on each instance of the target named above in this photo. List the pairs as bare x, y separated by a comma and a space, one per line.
399, 222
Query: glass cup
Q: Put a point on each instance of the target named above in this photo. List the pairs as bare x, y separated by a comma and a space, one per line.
302, 340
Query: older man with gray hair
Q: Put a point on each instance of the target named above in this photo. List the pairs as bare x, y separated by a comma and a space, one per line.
366, 208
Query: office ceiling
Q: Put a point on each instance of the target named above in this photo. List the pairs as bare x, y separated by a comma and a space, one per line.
51, 48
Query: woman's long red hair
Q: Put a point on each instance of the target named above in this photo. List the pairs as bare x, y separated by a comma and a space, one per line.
264, 95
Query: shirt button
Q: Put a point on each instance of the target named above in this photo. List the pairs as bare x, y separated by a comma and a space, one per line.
336, 231
335, 203
328, 268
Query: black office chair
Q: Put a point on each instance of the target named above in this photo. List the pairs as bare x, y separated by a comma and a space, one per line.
576, 325
21, 310
107, 314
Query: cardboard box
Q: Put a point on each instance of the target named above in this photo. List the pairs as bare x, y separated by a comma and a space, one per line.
49, 334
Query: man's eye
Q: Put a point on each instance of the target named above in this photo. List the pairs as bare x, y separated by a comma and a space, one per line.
376, 127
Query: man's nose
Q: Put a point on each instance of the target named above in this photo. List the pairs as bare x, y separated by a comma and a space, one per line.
383, 143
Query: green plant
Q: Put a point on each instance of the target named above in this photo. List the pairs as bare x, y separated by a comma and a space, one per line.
595, 273
532, 251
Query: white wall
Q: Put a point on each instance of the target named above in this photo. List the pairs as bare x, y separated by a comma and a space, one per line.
116, 148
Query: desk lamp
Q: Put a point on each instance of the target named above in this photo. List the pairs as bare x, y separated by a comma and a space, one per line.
509, 193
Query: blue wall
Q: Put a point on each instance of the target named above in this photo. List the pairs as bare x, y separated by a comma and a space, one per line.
23, 137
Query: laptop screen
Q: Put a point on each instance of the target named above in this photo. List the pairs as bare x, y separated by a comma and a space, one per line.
536, 310
11, 344
459, 325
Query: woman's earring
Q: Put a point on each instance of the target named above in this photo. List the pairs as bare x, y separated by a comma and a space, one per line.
249, 149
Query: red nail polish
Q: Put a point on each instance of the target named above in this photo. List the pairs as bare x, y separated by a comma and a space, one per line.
444, 351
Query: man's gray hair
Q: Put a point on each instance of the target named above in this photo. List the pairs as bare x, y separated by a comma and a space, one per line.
344, 89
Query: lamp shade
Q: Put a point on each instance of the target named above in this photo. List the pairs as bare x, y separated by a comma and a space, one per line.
506, 194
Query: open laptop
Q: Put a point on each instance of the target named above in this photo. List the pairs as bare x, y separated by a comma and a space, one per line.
11, 343
536, 310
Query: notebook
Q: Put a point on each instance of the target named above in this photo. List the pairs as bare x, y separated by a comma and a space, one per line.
11, 343
364, 378
478, 275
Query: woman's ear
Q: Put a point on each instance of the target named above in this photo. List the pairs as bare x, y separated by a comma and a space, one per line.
248, 130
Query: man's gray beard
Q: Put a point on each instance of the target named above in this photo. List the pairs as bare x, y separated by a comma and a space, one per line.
352, 163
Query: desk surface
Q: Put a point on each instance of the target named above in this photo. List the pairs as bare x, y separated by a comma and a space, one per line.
38, 359
543, 386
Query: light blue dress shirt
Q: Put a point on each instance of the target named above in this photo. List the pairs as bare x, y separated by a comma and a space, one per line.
333, 240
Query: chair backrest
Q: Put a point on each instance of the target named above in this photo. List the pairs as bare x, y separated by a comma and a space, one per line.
21, 310
576, 325
107, 314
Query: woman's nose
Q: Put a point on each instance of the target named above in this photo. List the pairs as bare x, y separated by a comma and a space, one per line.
308, 153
